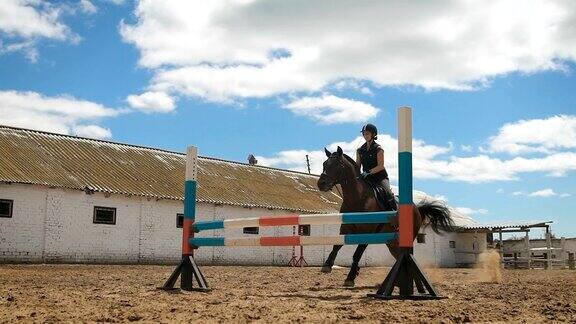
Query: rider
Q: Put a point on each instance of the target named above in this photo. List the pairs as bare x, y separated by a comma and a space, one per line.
371, 157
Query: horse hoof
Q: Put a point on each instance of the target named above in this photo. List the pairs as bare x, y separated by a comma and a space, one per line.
348, 283
326, 269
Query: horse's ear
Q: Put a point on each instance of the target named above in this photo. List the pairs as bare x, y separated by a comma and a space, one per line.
339, 150
328, 154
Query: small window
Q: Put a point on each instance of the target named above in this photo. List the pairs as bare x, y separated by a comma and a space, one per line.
179, 220
250, 230
490, 238
421, 238
105, 215
452, 244
6, 208
304, 230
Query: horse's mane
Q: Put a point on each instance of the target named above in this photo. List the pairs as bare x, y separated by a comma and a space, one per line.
356, 166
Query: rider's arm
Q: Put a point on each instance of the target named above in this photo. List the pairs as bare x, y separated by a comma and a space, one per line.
380, 166
358, 158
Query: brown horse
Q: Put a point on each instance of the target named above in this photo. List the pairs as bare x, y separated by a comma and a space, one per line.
358, 196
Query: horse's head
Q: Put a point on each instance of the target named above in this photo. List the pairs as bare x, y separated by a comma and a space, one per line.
334, 170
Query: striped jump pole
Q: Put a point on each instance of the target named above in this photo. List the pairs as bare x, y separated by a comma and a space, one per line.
188, 270
405, 273
294, 219
406, 225
350, 239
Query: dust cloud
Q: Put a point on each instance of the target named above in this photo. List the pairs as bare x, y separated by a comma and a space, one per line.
488, 268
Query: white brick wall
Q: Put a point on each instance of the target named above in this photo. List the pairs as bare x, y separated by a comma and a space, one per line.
56, 225
22, 236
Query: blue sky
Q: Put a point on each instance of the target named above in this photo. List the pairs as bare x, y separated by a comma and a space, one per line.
494, 93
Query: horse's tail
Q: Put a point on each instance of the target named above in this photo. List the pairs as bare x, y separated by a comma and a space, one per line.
437, 215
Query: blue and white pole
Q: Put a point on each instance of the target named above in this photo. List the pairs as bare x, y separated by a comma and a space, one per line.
190, 187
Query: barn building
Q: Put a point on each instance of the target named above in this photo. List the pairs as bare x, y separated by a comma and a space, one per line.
65, 199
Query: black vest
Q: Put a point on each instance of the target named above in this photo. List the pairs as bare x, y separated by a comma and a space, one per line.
369, 160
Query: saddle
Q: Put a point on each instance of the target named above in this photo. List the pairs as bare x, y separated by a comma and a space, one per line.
384, 197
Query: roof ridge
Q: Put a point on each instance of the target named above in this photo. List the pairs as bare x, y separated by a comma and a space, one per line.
89, 139
152, 149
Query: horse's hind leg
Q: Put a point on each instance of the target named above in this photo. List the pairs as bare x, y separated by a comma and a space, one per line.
327, 267
355, 269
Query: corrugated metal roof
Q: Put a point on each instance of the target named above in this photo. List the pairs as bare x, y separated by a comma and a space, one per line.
35, 157
506, 225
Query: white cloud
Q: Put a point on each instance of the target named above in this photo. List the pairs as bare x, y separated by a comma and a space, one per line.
536, 135
28, 18
92, 131
470, 211
60, 114
441, 197
483, 168
27, 48
424, 154
466, 148
366, 91
152, 102
222, 50
295, 160
237, 81
548, 192
433, 162
500, 190
543, 193
330, 109
24, 22
88, 7
353, 84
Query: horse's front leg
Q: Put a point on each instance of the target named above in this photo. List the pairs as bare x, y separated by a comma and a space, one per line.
355, 268
327, 267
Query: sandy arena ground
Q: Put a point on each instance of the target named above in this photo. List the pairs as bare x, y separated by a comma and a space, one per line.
51, 293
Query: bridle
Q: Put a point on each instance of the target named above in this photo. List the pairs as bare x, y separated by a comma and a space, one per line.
341, 178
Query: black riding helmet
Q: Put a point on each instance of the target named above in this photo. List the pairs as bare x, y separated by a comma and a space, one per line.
370, 128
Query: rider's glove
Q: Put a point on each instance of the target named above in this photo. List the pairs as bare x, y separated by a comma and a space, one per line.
365, 175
